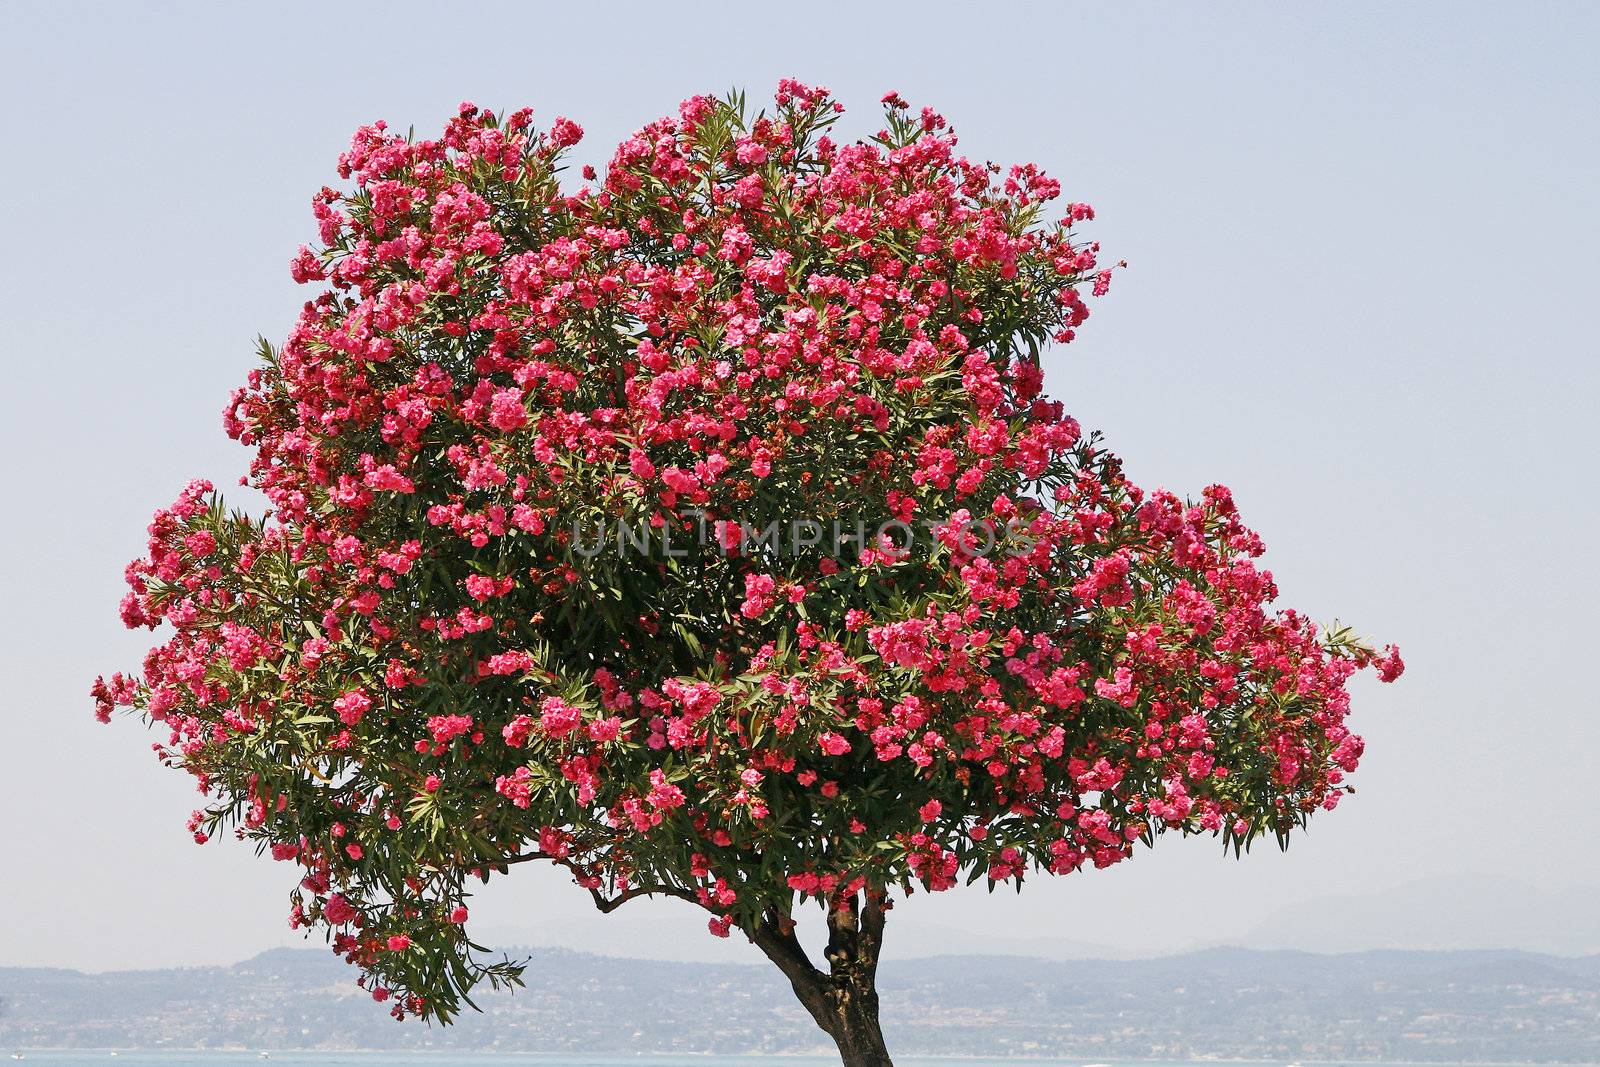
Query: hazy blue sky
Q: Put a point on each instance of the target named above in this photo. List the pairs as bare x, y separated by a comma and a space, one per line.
1363, 278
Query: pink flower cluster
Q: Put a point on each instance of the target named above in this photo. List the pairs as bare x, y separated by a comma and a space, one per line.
408, 677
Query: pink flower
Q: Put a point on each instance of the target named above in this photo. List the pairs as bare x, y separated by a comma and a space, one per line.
565, 133
338, 911
506, 412
1008, 864
516, 787
834, 744
558, 718
1390, 665
446, 727
305, 267
680, 481
758, 595
804, 882
480, 587
554, 842
351, 705
201, 543
517, 730
399, 943
664, 796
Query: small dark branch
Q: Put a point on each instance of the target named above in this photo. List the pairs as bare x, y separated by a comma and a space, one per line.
611, 904
774, 935
604, 903
526, 857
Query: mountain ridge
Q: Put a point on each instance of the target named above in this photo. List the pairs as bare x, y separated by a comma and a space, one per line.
1395, 1005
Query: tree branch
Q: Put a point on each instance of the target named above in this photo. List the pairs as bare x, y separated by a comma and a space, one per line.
613, 903
604, 903
775, 937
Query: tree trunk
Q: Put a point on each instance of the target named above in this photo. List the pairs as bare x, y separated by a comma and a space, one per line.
844, 999
857, 1033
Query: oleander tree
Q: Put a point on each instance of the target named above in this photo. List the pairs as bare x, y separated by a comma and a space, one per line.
552, 568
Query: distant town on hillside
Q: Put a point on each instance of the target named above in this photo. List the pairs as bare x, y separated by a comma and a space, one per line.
1395, 1006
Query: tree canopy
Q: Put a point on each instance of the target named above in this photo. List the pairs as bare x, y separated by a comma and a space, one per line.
701, 527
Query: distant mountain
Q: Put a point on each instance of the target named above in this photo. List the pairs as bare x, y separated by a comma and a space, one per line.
1459, 1007
1463, 912
685, 939
1440, 913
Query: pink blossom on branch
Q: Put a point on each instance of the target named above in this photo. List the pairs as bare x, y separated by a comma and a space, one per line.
738, 324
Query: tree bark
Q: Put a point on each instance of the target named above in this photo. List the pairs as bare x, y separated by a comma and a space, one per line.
844, 999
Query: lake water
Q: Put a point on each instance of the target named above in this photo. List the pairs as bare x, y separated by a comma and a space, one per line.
175, 1058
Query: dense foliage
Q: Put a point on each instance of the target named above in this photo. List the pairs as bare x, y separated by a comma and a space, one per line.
542, 578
